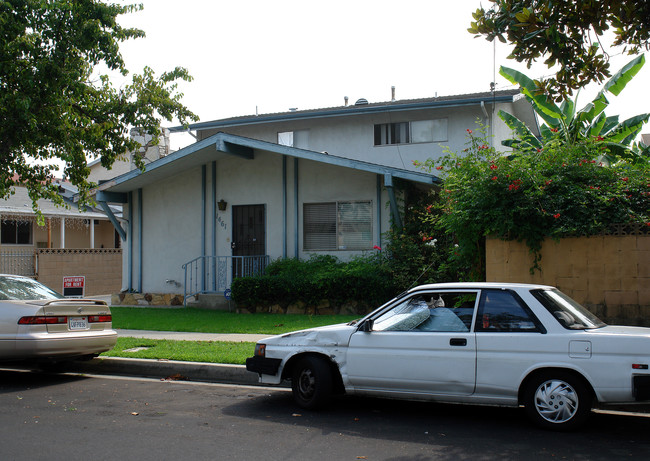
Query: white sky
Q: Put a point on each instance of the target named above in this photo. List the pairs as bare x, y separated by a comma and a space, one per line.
269, 56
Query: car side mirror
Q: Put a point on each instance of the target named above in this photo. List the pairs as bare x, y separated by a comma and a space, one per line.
366, 326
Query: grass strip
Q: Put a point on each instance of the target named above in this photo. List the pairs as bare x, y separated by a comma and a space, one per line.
191, 351
211, 321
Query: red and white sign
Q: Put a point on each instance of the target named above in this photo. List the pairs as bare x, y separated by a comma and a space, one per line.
73, 286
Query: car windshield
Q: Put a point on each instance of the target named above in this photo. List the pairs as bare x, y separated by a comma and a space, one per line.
568, 313
24, 289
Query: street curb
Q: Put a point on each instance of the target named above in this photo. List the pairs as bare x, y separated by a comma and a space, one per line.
166, 369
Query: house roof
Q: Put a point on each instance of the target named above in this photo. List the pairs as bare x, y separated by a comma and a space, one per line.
223, 145
20, 204
358, 109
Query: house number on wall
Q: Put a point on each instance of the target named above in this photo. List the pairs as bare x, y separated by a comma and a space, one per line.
222, 222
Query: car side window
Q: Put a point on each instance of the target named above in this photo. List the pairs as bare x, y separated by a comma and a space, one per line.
430, 312
403, 317
503, 311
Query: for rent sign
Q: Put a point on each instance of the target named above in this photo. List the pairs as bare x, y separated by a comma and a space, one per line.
73, 286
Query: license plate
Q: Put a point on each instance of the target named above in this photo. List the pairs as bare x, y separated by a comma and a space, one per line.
78, 323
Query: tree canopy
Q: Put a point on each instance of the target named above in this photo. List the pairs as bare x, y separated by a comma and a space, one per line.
55, 107
569, 34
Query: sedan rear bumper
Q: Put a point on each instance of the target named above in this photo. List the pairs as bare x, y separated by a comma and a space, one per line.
45, 345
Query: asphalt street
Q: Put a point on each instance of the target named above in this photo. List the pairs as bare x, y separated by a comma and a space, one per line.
75, 417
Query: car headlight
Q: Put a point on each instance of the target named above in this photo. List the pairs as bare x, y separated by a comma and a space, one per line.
260, 350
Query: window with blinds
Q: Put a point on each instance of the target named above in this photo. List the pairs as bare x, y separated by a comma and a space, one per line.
337, 226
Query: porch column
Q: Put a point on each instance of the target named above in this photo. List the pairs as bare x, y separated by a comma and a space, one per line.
49, 232
62, 232
92, 233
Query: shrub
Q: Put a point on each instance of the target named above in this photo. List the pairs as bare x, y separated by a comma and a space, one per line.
560, 190
364, 281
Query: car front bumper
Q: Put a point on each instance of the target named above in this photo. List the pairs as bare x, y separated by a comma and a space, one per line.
263, 365
642, 388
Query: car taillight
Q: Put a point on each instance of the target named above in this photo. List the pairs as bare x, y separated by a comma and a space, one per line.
100, 318
260, 350
42, 320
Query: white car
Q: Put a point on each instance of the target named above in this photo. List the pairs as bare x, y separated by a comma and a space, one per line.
476, 343
37, 324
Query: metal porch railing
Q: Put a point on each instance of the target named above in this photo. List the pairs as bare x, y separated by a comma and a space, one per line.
214, 274
17, 262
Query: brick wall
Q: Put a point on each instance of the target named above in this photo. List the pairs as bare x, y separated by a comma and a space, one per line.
101, 267
608, 274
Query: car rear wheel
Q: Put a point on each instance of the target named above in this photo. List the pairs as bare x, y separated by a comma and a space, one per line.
557, 401
311, 383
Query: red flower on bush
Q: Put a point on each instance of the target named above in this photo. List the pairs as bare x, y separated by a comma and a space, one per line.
439, 167
376, 248
624, 179
469, 131
556, 216
494, 178
494, 167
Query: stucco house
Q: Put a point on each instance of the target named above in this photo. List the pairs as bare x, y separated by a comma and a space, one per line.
262, 187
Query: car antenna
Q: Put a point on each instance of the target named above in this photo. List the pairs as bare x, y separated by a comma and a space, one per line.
423, 272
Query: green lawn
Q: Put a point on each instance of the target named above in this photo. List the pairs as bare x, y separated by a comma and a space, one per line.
191, 351
204, 321
211, 321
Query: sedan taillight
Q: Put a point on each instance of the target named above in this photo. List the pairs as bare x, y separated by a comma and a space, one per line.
100, 318
42, 320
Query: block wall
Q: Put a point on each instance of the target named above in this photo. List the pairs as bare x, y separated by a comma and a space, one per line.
101, 267
608, 274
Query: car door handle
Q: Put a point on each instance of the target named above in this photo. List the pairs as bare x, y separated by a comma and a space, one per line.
458, 342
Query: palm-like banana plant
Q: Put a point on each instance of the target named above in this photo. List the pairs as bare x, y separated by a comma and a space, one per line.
566, 125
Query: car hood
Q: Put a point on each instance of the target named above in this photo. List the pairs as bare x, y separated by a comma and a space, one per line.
621, 330
332, 335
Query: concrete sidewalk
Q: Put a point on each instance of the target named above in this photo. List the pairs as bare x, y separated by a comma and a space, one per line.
181, 336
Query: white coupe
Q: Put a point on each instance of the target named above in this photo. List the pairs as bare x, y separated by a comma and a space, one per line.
476, 343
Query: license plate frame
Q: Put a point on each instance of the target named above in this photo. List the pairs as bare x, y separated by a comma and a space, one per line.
78, 323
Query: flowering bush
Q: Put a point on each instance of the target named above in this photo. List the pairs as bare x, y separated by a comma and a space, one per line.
419, 252
560, 190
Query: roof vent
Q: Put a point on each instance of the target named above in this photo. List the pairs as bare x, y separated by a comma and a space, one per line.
361, 102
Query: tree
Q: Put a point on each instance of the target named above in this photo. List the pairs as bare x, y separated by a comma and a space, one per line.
566, 126
568, 34
54, 105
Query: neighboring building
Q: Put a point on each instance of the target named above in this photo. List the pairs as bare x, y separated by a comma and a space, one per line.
284, 185
63, 227
99, 174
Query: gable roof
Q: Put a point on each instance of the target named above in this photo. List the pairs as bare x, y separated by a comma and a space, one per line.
223, 145
358, 109
19, 204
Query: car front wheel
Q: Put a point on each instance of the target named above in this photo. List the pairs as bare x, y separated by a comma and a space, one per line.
311, 383
557, 401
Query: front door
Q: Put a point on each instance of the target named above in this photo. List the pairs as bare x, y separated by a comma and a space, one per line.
248, 236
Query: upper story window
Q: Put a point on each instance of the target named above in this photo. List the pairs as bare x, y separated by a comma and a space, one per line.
16, 232
299, 138
411, 132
